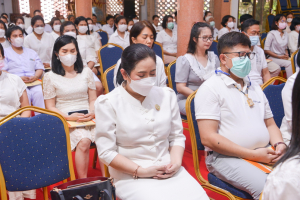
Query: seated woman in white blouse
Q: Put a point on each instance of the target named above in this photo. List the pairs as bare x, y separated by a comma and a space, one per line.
55, 25
19, 21
40, 41
98, 45
3, 30
283, 182
276, 45
197, 65
228, 25
139, 134
168, 39
294, 35
120, 36
144, 33
70, 87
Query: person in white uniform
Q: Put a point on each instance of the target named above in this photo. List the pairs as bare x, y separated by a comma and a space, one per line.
284, 180
210, 20
144, 33
294, 35
139, 134
130, 23
109, 26
197, 65
155, 20
120, 36
228, 25
97, 26
25, 63
70, 87
168, 39
48, 28
40, 41
3, 39
235, 120
276, 45
98, 45
19, 21
289, 19
259, 68
55, 24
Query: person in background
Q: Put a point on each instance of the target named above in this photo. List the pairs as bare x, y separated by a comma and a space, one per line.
57, 14
134, 18
235, 28
62, 19
55, 24
6, 16
211, 21
168, 39
19, 21
130, 23
259, 69
276, 45
4, 19
294, 35
3, 30
71, 18
207, 13
175, 22
289, 19
94, 33
120, 36
228, 25
283, 181
116, 16
40, 41
48, 28
97, 26
245, 17
109, 26
197, 65
155, 21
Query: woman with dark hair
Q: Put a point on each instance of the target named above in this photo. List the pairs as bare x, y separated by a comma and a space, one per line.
55, 24
197, 65
109, 26
276, 45
289, 19
3, 40
98, 43
168, 39
140, 136
40, 41
71, 18
294, 35
144, 33
130, 23
120, 36
283, 181
19, 21
207, 14
70, 89
228, 25
25, 63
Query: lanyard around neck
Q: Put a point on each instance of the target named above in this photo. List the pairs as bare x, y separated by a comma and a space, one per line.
249, 100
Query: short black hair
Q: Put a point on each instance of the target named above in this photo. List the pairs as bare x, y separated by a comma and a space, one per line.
154, 16
3, 17
225, 20
276, 19
12, 29
118, 19
36, 18
232, 39
248, 23
295, 22
108, 17
69, 17
94, 15
4, 14
165, 21
205, 14
79, 19
245, 17
36, 11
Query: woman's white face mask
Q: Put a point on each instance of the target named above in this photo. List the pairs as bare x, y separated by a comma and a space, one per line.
142, 86
68, 60
2, 33
71, 33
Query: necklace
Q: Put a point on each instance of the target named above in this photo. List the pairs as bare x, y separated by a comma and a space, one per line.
249, 100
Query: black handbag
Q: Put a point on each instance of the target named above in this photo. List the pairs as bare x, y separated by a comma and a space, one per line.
93, 188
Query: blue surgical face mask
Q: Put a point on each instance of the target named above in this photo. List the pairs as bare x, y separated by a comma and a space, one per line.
241, 67
212, 24
254, 39
170, 25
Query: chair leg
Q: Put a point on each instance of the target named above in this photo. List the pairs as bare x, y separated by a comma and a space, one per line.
95, 158
45, 192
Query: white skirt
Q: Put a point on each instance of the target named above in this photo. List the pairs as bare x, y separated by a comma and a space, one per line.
181, 186
77, 134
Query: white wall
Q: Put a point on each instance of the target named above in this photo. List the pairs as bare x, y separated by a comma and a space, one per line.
234, 8
6, 6
143, 11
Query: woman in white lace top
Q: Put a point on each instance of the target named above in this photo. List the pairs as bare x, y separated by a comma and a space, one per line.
70, 87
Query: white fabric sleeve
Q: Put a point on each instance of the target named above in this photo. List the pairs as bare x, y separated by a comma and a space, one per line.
268, 42
26, 42
291, 41
161, 72
268, 111
116, 72
19, 84
48, 88
159, 37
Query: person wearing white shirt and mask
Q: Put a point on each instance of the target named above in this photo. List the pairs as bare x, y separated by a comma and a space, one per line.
40, 41
294, 35
228, 25
19, 21
211, 21
259, 69
144, 33
289, 19
97, 26
168, 39
235, 28
98, 44
5, 20
130, 23
55, 24
120, 36
109, 27
139, 134
3, 40
155, 20
48, 28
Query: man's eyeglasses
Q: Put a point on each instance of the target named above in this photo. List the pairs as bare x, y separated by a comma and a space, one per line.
205, 39
243, 54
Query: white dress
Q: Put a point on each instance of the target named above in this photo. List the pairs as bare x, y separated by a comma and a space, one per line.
71, 94
143, 134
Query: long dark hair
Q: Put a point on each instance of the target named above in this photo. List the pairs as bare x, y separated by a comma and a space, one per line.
276, 19
78, 20
131, 56
195, 32
5, 28
21, 18
56, 63
138, 27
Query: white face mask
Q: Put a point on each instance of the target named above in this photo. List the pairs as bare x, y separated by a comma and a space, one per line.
17, 42
71, 33
91, 27
142, 86
56, 28
68, 60
230, 24
39, 30
82, 29
22, 26
122, 27
298, 28
2, 33
129, 28
289, 19
135, 20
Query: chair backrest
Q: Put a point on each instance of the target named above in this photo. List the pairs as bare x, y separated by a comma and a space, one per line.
157, 48
270, 20
108, 82
171, 71
273, 94
283, 4
214, 48
104, 37
262, 44
294, 4
294, 60
109, 55
34, 152
263, 36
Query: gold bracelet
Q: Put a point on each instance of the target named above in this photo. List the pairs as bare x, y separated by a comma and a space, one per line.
135, 173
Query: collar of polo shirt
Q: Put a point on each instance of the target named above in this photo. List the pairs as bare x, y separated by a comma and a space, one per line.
229, 81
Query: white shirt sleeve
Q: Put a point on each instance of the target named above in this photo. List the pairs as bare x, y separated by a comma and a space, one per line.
268, 111
161, 72
26, 42
292, 44
116, 72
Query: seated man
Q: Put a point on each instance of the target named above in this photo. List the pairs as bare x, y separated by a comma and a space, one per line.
235, 120
259, 69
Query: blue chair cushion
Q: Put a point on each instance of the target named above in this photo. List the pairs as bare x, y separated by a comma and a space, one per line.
110, 80
157, 49
212, 179
110, 56
104, 38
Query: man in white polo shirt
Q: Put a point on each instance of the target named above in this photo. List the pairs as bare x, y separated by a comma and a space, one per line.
235, 120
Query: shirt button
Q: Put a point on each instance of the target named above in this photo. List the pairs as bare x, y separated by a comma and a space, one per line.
152, 120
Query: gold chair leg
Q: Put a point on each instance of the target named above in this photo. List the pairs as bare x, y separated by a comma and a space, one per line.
45, 191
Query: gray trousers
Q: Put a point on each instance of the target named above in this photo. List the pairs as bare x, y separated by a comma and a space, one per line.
238, 173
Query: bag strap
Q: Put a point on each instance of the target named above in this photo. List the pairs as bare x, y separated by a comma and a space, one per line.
105, 194
77, 197
61, 195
